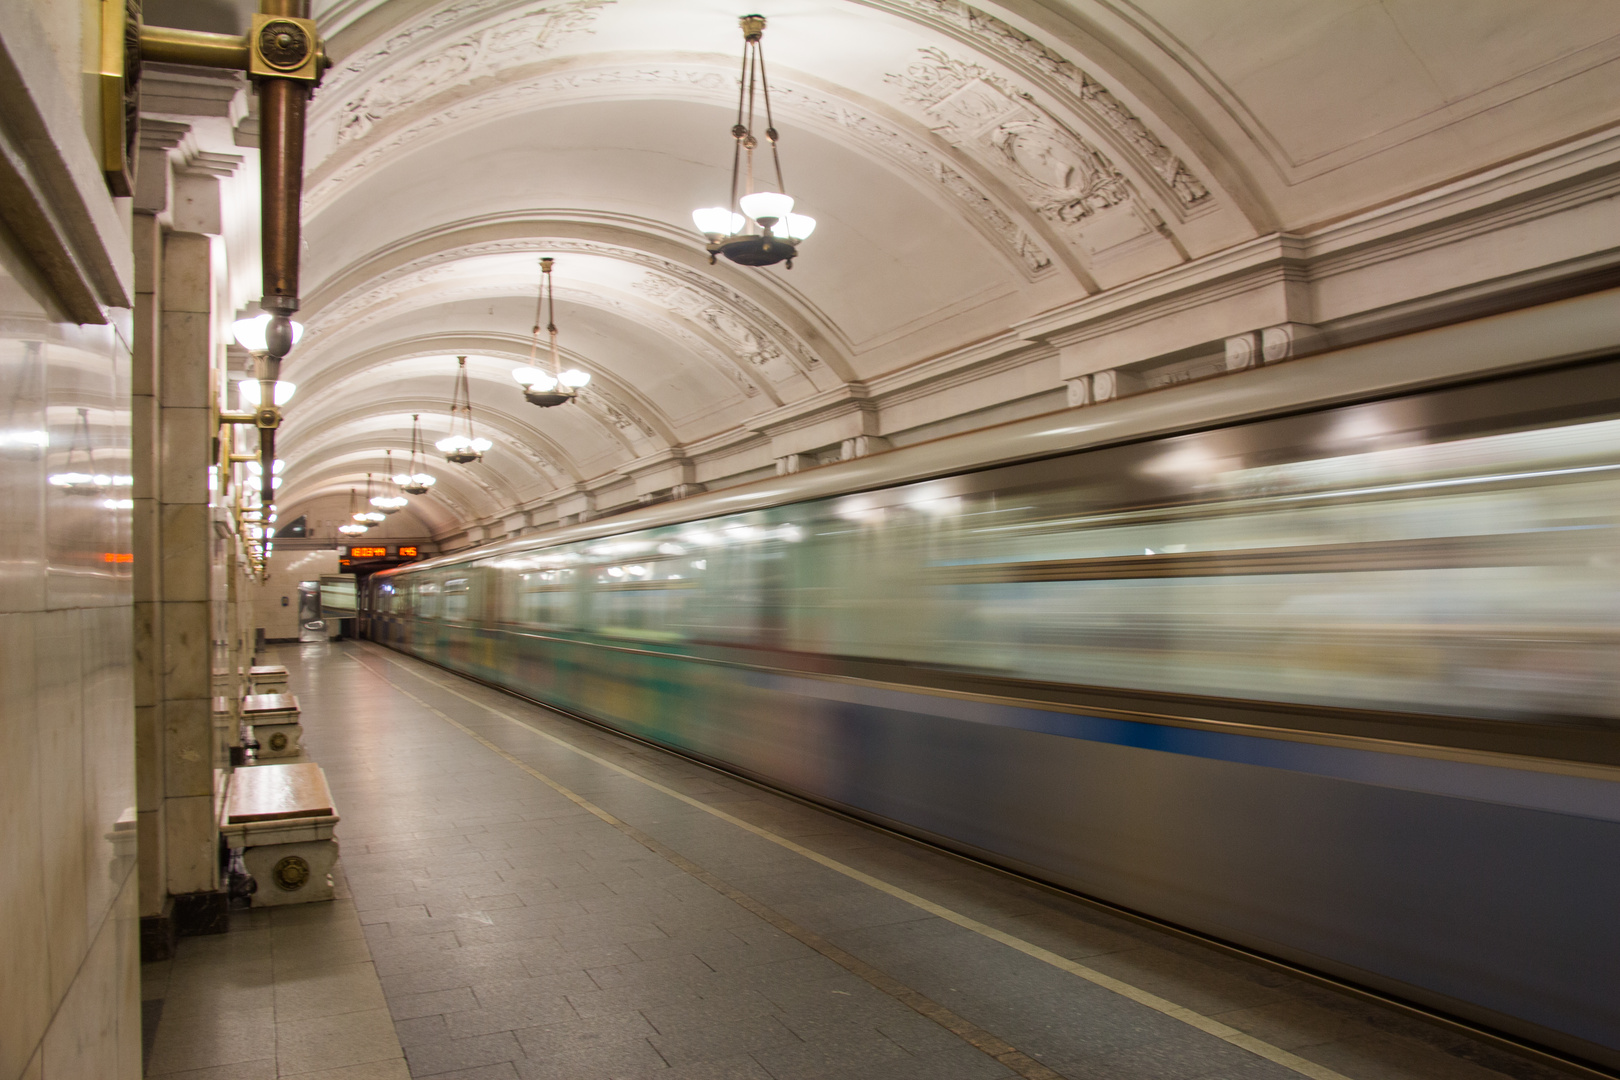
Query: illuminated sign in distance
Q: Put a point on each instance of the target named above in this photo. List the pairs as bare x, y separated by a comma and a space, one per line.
407, 551
368, 553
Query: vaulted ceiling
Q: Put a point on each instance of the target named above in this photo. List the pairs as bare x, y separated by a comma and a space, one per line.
973, 169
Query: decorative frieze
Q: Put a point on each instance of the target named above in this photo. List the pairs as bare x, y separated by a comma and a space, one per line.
1079, 89
476, 52
1062, 176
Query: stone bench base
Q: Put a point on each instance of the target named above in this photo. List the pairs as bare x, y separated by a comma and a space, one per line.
290, 862
282, 820
279, 741
267, 679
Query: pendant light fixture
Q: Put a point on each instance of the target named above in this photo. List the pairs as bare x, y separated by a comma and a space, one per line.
369, 517
389, 504
354, 527
765, 231
462, 447
416, 481
554, 387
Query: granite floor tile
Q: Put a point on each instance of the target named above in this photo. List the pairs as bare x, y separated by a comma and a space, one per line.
450, 1055
326, 1042
343, 988
215, 1038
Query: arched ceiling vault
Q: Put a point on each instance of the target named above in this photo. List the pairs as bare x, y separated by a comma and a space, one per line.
994, 183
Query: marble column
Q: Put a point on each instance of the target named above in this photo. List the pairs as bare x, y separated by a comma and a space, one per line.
185, 545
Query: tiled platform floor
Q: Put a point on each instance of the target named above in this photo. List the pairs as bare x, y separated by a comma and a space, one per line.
544, 900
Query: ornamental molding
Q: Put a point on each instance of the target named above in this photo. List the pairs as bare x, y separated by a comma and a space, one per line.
1074, 87
740, 339
883, 136
1063, 177
412, 64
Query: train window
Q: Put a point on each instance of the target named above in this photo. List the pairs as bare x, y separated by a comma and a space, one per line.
547, 597
457, 594
644, 597
428, 599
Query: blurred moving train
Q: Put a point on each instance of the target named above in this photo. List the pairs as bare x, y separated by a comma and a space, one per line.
1338, 683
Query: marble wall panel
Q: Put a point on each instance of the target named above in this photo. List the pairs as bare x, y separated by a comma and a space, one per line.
23, 441
191, 856
69, 992
59, 714
109, 759
25, 992
186, 438
188, 750
87, 417
188, 542
186, 644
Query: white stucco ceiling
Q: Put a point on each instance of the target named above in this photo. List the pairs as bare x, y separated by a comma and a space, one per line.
973, 169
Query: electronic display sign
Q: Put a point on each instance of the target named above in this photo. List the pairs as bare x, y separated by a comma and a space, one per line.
364, 558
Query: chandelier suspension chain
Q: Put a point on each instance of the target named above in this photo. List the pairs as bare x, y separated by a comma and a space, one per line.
770, 123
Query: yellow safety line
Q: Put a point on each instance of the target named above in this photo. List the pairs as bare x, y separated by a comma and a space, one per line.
1258, 1047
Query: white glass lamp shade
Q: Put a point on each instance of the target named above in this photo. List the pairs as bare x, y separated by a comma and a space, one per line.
372, 517
451, 443
717, 221
481, 445
797, 227
766, 205
249, 389
574, 377
423, 479
401, 479
351, 530
532, 378
388, 503
258, 470
250, 333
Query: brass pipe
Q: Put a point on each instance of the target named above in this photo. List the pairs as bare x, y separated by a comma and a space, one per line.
166, 45
281, 178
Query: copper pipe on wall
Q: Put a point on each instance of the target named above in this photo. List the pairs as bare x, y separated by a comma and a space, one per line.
282, 105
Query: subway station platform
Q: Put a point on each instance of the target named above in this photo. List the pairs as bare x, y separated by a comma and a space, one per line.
524, 895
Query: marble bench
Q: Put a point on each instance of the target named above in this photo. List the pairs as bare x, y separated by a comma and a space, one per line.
274, 718
267, 679
281, 817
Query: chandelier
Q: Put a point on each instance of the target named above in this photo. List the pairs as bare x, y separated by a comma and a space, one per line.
389, 504
369, 517
354, 527
415, 481
557, 386
766, 231
462, 447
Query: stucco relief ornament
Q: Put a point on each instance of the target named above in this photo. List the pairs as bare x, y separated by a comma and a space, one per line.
1063, 77
741, 339
521, 39
1065, 178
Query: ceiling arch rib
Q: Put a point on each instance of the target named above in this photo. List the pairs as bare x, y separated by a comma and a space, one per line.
349, 456
520, 454
605, 394
790, 324
740, 352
